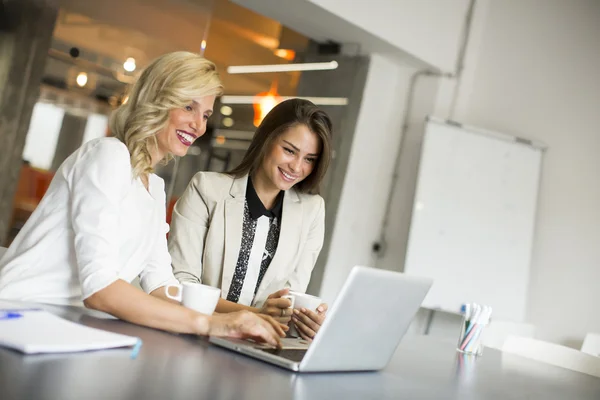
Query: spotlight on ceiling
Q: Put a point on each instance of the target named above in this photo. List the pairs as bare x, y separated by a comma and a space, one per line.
226, 110
228, 122
129, 64
81, 79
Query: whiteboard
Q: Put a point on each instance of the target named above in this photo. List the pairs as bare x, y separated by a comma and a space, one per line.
473, 218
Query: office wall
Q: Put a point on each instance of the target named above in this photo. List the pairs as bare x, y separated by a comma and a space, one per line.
42, 136
433, 95
532, 70
396, 227
376, 27
369, 173
538, 75
427, 29
96, 127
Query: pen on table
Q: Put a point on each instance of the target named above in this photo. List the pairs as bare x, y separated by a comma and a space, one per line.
136, 349
9, 315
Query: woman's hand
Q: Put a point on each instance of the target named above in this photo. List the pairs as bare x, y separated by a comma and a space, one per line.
277, 307
247, 325
308, 322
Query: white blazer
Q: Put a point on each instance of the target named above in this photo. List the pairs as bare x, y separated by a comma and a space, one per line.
206, 235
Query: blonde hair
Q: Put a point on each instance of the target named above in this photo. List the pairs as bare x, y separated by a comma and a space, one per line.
171, 81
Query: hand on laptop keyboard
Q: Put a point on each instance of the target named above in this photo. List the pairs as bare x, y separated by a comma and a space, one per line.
247, 325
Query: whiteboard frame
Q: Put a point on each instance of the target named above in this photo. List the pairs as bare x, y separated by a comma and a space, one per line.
496, 135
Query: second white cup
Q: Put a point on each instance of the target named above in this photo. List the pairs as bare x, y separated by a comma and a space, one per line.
198, 297
303, 300
300, 301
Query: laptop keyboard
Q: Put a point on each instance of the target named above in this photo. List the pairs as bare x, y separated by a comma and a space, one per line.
295, 355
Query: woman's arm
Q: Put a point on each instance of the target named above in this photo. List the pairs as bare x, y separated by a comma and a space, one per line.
273, 307
226, 306
128, 303
98, 183
131, 304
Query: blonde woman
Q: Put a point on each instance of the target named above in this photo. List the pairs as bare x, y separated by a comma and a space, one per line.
102, 220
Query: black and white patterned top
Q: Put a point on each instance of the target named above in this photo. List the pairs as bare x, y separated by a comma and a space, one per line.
259, 242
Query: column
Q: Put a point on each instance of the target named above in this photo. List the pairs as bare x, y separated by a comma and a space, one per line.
26, 28
69, 138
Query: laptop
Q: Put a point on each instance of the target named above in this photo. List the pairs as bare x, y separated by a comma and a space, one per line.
361, 332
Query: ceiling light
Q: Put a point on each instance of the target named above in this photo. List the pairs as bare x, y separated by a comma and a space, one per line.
228, 122
285, 54
81, 79
129, 64
226, 110
263, 104
254, 69
319, 101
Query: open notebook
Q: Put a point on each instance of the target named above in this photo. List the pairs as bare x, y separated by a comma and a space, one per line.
37, 331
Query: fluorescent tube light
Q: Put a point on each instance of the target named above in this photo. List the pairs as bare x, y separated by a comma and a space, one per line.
319, 101
255, 69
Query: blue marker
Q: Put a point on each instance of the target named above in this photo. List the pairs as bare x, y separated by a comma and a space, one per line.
136, 349
9, 315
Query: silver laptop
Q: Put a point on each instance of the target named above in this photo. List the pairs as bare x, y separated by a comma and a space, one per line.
362, 330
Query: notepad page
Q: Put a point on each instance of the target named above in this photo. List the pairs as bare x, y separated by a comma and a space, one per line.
43, 332
16, 306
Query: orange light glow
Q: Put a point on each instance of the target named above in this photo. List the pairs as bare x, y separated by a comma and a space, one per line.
264, 102
220, 140
285, 54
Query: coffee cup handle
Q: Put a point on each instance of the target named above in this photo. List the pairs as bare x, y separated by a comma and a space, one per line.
177, 297
290, 298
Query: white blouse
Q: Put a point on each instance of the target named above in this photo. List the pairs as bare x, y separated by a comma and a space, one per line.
95, 225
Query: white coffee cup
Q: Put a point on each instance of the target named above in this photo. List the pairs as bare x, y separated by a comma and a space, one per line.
303, 300
290, 298
198, 297
300, 301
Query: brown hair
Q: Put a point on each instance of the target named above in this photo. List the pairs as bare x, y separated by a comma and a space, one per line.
283, 116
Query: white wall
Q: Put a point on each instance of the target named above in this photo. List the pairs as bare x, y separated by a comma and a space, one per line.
428, 29
400, 215
383, 31
95, 127
538, 75
532, 69
369, 173
42, 137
